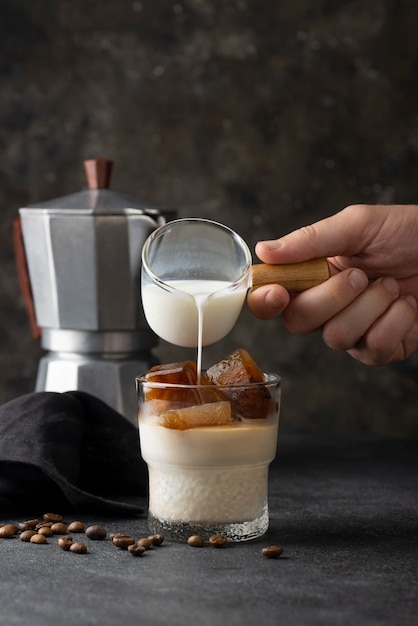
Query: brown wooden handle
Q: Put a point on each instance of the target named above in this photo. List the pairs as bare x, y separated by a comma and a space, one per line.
295, 277
23, 276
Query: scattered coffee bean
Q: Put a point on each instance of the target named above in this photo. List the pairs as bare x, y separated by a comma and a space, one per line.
272, 552
26, 535
35, 531
157, 540
37, 538
136, 549
96, 532
28, 525
75, 527
52, 517
196, 541
217, 541
8, 531
146, 542
65, 542
122, 541
43, 525
59, 528
112, 535
78, 547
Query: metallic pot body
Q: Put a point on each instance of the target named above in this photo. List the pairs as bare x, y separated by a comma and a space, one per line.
84, 269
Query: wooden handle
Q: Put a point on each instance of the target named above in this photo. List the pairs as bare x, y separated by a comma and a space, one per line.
295, 277
23, 277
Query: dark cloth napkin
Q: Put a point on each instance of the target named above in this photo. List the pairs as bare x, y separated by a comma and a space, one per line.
69, 451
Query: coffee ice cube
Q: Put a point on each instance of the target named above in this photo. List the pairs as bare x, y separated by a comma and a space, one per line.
180, 373
165, 395
211, 414
238, 368
235, 369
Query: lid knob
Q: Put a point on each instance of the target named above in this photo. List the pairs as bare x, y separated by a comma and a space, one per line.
98, 172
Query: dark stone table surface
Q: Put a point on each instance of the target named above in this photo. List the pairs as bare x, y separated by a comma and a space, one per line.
344, 508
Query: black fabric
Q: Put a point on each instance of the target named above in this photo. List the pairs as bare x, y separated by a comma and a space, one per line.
69, 450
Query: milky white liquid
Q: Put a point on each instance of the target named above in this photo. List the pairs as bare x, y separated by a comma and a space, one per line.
174, 315
208, 474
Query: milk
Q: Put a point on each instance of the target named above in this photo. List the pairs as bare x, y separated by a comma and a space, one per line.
240, 443
174, 313
209, 474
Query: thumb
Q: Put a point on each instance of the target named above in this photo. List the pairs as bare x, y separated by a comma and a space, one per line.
342, 234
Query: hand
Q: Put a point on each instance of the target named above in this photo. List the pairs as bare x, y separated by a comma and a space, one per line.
369, 305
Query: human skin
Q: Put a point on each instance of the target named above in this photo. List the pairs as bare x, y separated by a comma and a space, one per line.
368, 307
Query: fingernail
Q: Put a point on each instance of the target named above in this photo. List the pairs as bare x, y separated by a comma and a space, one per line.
391, 285
270, 244
358, 279
273, 301
412, 301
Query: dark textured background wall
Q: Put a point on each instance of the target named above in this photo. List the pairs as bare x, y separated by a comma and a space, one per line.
264, 115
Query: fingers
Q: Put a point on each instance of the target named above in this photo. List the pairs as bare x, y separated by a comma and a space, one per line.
344, 330
374, 324
393, 337
268, 301
311, 309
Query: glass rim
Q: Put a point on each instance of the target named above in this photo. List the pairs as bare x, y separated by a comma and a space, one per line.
157, 232
273, 379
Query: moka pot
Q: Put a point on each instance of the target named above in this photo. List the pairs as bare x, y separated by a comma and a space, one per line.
83, 259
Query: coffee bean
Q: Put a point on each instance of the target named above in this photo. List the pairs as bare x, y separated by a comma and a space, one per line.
272, 552
146, 542
27, 534
217, 541
75, 527
96, 532
196, 541
37, 538
78, 547
28, 524
43, 525
113, 535
8, 531
157, 540
59, 528
122, 541
65, 542
52, 517
45, 530
136, 550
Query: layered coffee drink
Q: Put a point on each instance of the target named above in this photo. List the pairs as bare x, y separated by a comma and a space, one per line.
208, 439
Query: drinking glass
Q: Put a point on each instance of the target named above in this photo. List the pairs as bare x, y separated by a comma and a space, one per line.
208, 450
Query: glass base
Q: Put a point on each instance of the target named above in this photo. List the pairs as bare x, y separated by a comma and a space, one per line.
233, 531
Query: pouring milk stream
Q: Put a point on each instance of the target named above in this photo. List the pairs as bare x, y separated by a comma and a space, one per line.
195, 277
